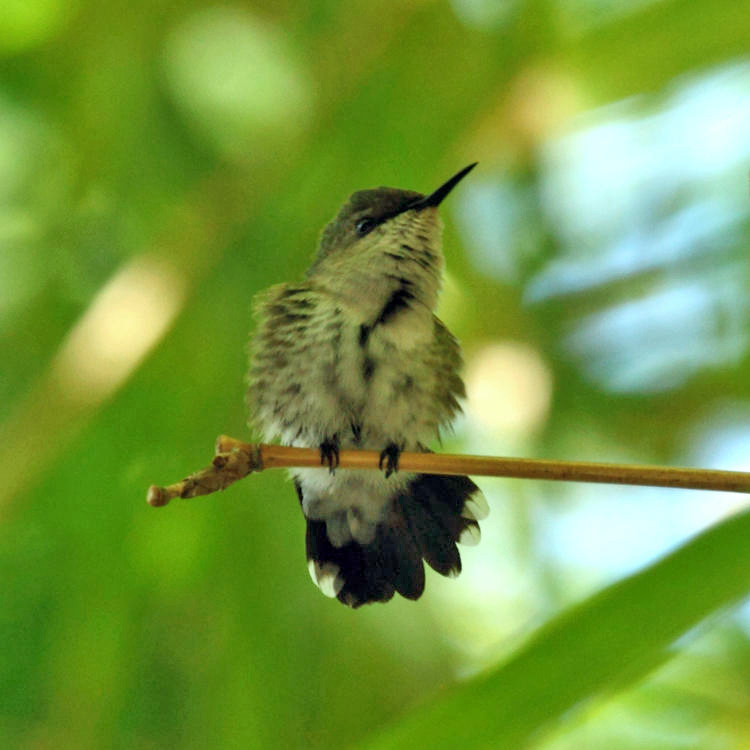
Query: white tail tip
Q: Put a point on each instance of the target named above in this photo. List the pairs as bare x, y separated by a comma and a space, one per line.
326, 577
476, 507
470, 536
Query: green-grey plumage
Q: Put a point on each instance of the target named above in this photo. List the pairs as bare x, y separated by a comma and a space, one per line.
354, 356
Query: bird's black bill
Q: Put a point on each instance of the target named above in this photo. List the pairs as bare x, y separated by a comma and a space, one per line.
435, 198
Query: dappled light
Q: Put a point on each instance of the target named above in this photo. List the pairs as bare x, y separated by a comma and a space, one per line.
126, 318
236, 80
508, 388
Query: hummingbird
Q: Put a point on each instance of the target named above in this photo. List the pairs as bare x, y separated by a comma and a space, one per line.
354, 357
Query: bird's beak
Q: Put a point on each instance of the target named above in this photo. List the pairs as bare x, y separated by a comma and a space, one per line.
436, 197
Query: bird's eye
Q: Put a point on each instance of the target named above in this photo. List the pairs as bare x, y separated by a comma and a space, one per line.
363, 226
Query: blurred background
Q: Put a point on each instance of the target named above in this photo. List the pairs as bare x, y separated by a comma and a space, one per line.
161, 162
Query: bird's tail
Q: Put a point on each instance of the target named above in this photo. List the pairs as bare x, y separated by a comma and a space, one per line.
425, 520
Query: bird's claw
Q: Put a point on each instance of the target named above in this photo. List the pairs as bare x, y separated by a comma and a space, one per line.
329, 453
389, 456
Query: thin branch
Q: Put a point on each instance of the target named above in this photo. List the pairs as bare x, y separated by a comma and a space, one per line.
235, 460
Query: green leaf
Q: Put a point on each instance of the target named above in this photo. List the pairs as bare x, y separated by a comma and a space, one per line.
608, 641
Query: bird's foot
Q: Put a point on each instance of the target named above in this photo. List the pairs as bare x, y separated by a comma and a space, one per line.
329, 453
389, 456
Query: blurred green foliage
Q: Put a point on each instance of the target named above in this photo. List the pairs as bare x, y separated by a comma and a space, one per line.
160, 163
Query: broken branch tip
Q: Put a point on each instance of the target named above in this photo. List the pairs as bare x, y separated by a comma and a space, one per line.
156, 496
